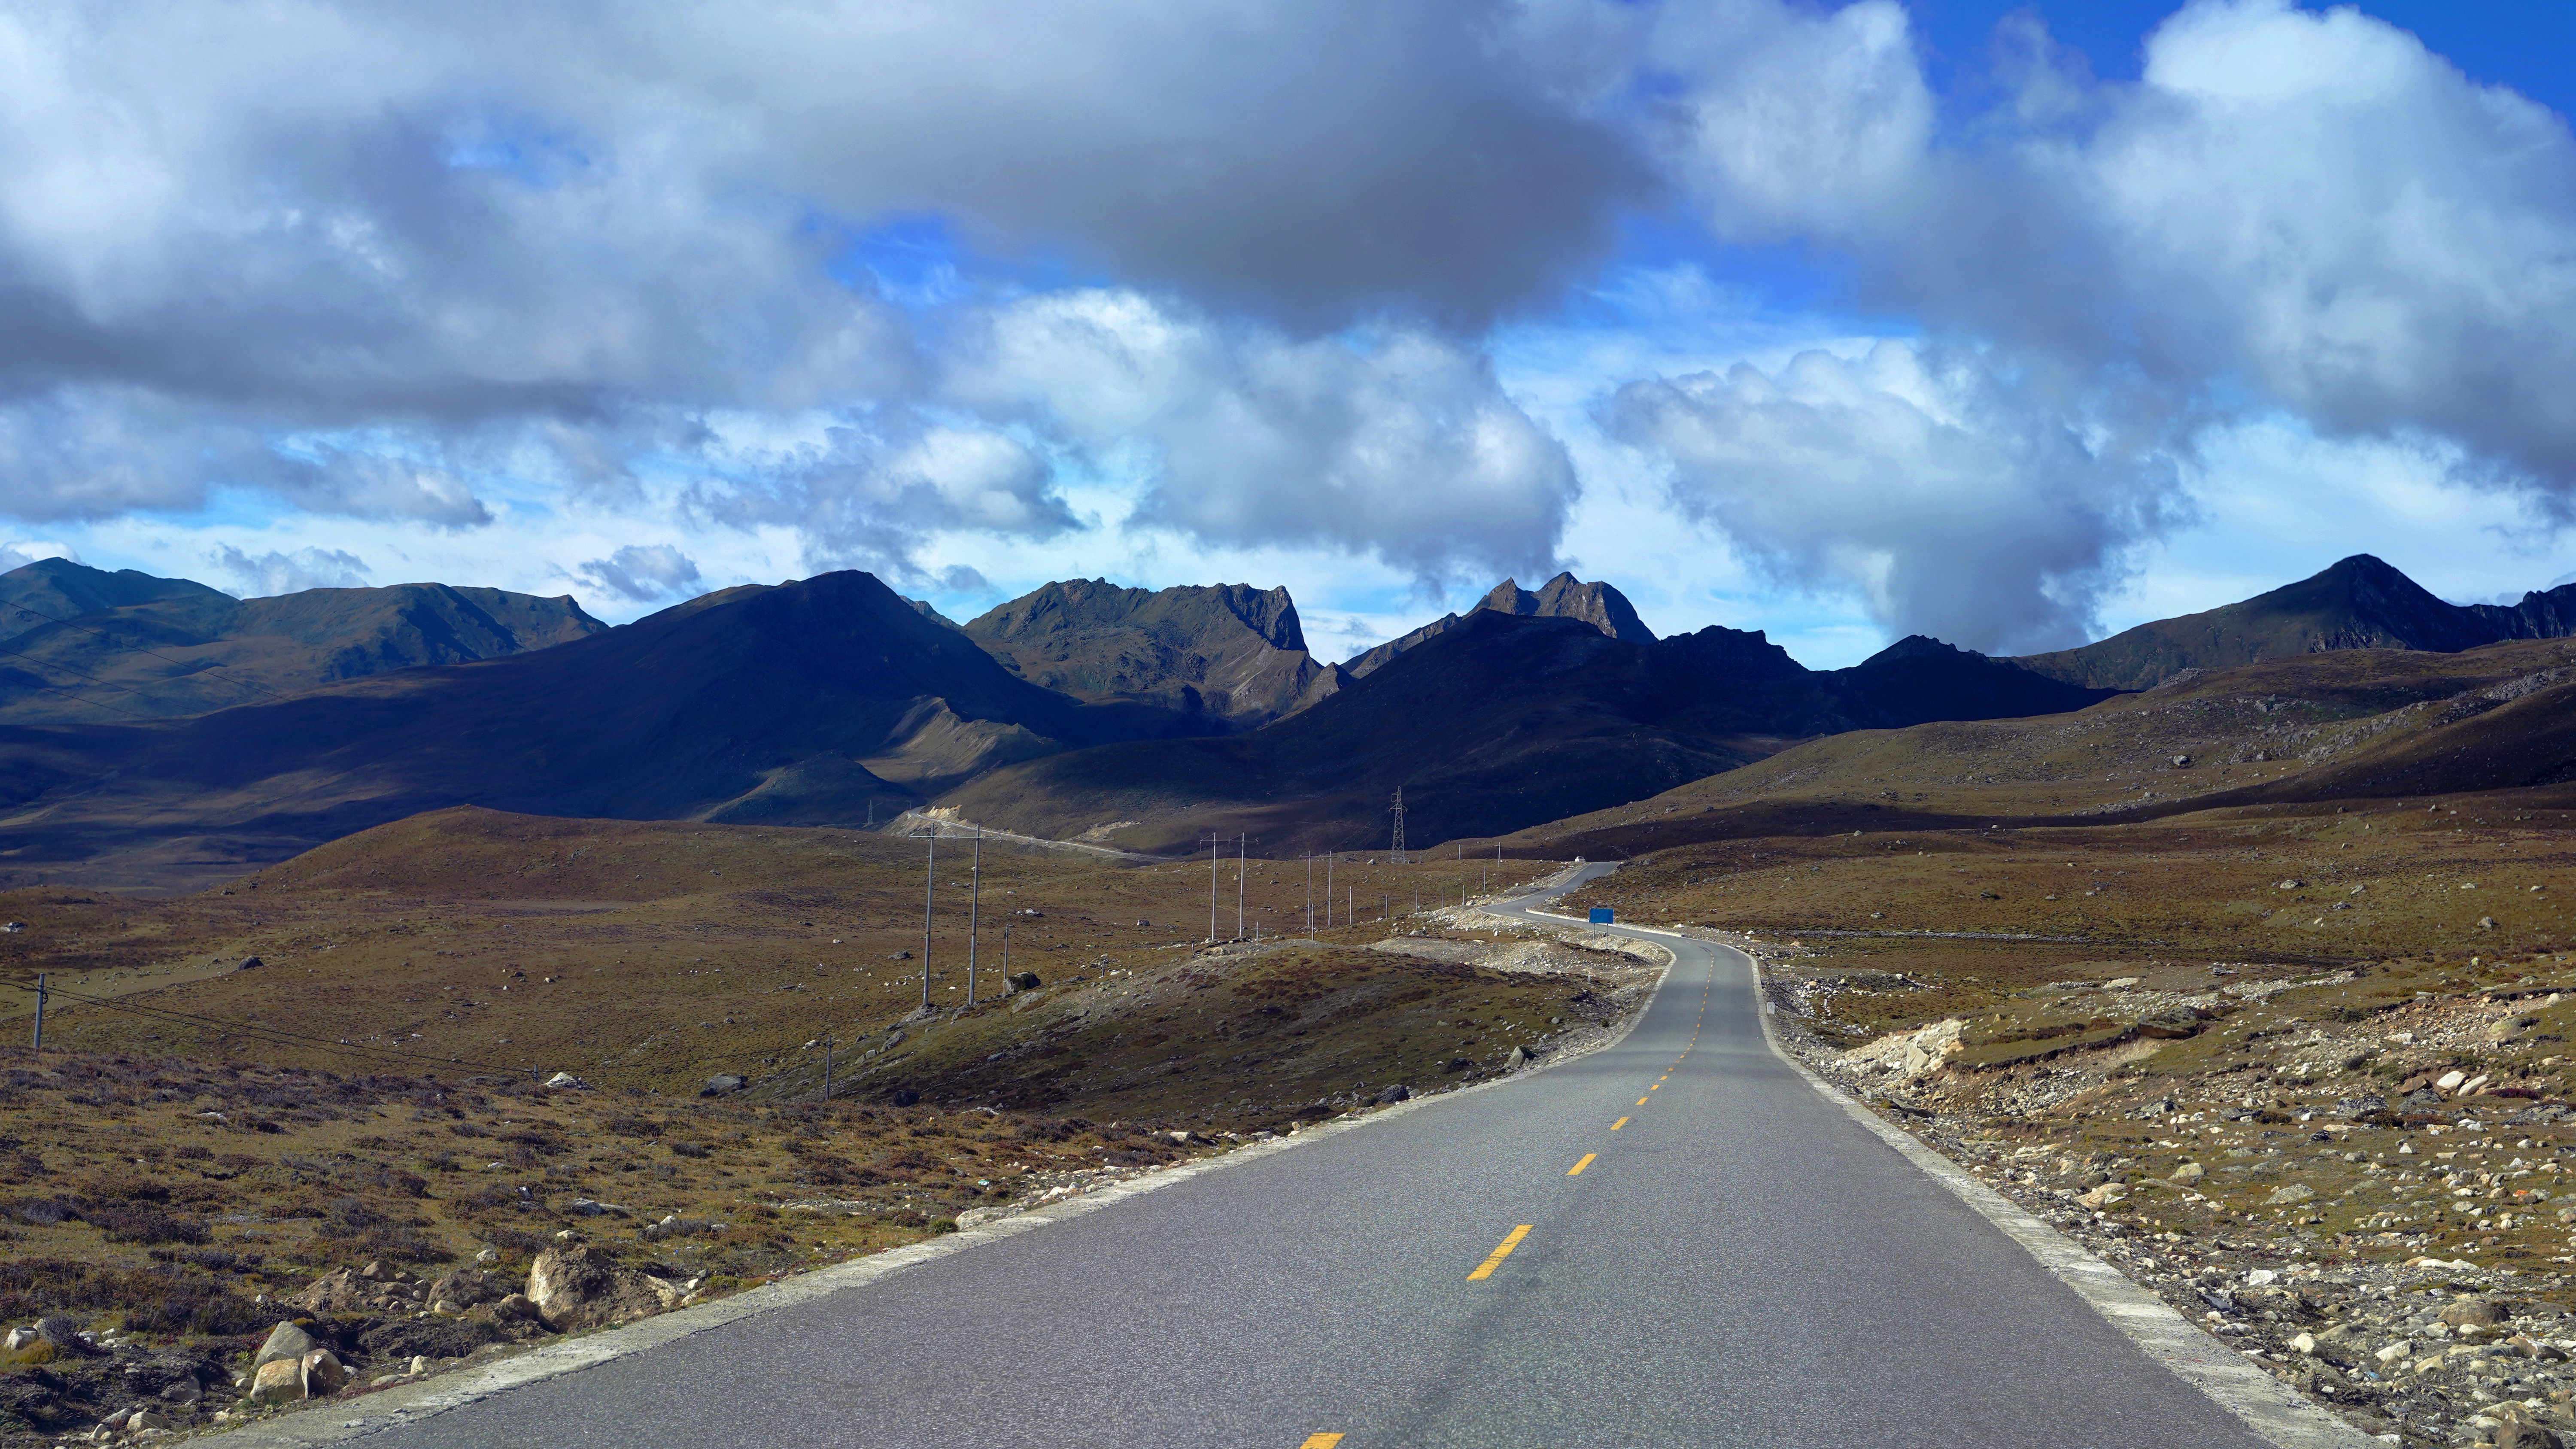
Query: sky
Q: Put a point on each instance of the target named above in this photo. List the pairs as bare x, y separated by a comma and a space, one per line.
2010, 324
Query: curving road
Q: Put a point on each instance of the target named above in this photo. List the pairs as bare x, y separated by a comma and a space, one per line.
1738, 1262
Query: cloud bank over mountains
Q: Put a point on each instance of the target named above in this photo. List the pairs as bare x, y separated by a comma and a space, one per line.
1246, 261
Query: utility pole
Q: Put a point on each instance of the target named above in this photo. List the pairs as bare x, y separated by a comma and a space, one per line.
1006, 953
827, 1071
929, 884
1395, 852
40, 1012
1328, 890
1310, 893
974, 911
1212, 848
1238, 885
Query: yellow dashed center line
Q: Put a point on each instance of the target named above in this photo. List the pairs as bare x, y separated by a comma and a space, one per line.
1577, 1169
1320, 1441
1495, 1258
1622, 1122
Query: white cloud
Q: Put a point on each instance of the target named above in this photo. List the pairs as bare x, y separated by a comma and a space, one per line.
18, 553
644, 572
278, 572
1394, 443
2291, 213
1949, 496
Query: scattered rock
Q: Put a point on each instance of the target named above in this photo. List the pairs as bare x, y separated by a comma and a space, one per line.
903, 1096
2187, 1174
465, 1287
2521, 1433
977, 1217
1024, 981
516, 1308
582, 1287
1392, 1095
64, 1335
249, 963
2289, 885
718, 1086
338, 1291
2469, 1308
427, 1338
2290, 1196
1517, 1060
566, 1079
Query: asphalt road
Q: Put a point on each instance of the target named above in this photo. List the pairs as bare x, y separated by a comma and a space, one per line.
1737, 1263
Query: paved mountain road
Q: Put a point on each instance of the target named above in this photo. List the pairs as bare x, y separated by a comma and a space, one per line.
1740, 1263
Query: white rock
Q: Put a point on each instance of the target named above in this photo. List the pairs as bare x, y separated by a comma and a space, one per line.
2304, 1343
2448, 1080
2257, 1277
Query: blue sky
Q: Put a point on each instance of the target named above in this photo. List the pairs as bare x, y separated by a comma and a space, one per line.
1839, 322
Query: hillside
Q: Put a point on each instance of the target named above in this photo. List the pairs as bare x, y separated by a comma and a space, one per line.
1230, 653
89, 646
2306, 732
1501, 720
2359, 603
809, 702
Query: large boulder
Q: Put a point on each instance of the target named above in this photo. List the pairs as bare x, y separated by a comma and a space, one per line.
324, 1373
581, 1287
285, 1341
279, 1381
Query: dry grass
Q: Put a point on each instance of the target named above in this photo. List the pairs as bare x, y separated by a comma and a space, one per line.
649, 955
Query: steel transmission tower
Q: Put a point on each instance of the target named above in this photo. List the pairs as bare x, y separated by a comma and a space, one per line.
1395, 850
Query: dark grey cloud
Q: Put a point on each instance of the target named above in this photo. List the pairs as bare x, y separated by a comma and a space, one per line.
358, 255
644, 572
287, 572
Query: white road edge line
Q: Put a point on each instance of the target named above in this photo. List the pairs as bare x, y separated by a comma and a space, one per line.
405, 1405
2269, 1407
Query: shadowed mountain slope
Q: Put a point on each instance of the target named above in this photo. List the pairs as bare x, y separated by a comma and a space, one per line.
2359, 603
1562, 597
2299, 733
86, 645
1501, 720
1230, 652
803, 703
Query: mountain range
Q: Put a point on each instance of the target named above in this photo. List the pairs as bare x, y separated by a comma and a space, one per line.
1147, 719
85, 644
2359, 603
